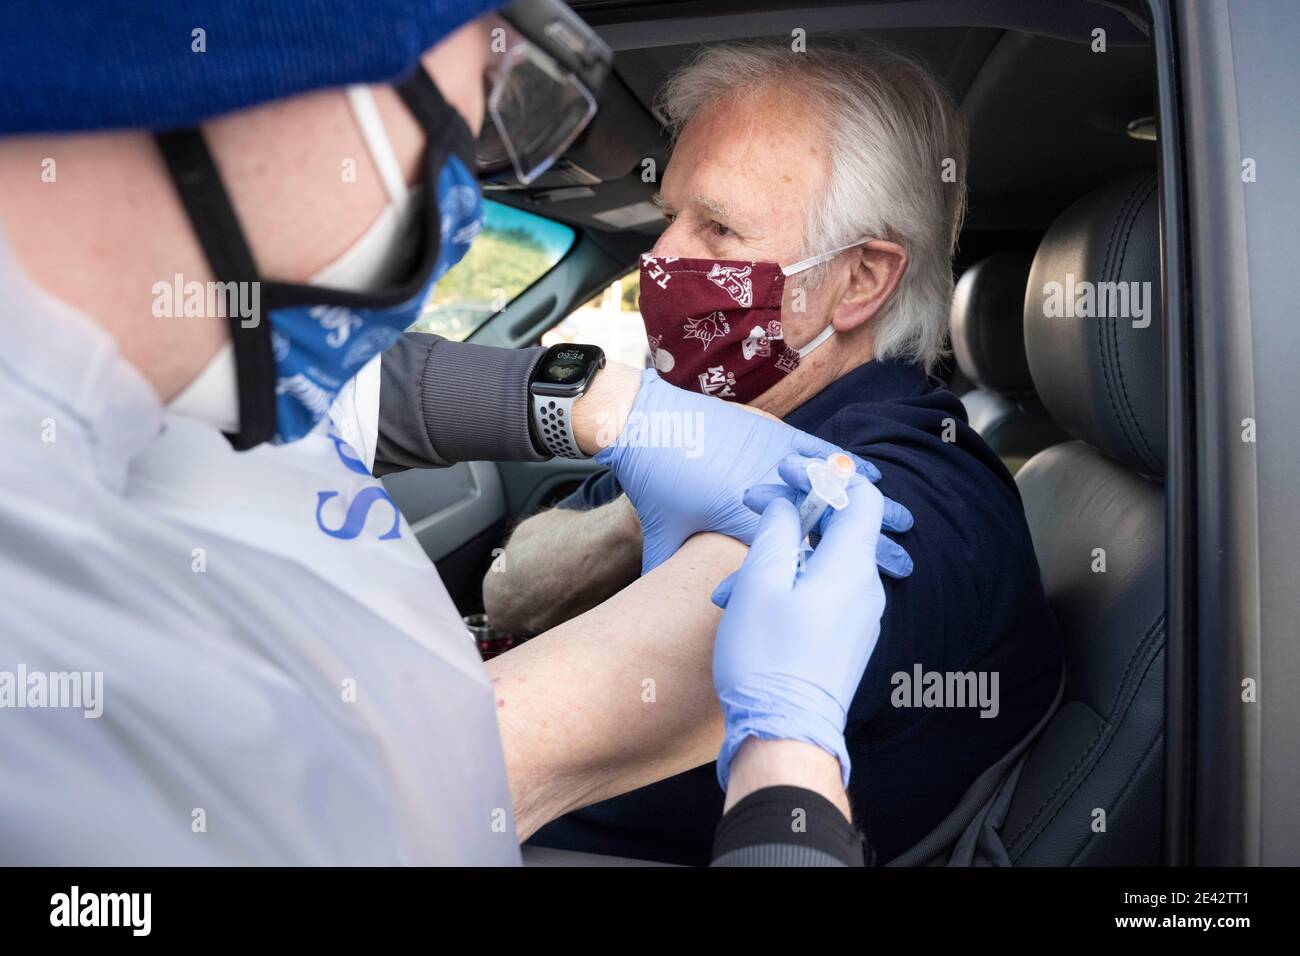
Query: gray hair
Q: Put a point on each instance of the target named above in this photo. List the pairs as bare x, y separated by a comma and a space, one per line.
897, 165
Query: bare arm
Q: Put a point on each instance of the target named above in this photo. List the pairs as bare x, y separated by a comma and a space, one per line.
561, 563
793, 763
786, 806
619, 697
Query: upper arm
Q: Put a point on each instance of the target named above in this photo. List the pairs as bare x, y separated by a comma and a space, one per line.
664, 616
669, 607
624, 691
699, 565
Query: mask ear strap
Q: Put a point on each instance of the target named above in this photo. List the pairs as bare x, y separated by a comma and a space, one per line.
378, 144
822, 336
824, 257
442, 123
213, 218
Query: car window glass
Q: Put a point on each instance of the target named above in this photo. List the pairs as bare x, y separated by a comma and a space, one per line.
515, 249
611, 319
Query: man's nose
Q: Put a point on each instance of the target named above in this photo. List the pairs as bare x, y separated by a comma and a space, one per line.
675, 241
665, 243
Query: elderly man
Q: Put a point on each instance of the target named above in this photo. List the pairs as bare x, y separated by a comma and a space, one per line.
847, 175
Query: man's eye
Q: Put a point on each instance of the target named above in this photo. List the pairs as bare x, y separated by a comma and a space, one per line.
719, 230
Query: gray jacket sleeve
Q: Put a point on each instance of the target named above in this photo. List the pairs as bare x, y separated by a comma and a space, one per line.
442, 402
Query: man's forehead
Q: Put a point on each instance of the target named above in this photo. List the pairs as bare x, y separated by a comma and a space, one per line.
744, 153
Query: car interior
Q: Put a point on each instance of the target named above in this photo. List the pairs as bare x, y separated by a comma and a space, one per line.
1061, 103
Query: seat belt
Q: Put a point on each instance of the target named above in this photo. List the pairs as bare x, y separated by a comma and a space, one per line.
954, 841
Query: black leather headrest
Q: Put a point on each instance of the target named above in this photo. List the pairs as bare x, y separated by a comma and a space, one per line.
988, 331
1093, 329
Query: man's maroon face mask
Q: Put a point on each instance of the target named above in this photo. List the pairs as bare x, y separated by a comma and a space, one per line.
714, 325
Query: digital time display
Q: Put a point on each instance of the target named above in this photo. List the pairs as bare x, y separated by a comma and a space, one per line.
568, 366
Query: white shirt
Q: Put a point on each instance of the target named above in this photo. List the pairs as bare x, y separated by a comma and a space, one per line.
272, 692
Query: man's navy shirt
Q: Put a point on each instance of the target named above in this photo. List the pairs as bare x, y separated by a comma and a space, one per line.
974, 602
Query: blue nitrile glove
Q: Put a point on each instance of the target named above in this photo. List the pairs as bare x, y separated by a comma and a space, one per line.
792, 646
685, 461
794, 487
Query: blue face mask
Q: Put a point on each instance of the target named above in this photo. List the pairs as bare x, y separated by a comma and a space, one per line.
318, 348
309, 340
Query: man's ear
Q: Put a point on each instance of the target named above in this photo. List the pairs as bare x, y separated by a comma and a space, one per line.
875, 269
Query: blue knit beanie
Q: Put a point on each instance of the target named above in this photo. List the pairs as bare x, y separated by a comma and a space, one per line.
68, 65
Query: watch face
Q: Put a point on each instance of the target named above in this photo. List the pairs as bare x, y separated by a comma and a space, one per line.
565, 369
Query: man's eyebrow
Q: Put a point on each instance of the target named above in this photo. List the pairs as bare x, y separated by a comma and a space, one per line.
717, 208
714, 207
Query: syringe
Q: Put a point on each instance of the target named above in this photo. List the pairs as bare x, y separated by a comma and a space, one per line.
830, 481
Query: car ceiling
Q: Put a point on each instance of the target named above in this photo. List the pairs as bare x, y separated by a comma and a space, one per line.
1047, 115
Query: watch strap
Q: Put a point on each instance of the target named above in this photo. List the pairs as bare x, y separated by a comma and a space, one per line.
553, 421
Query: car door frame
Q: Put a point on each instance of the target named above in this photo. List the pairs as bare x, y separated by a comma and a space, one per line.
1232, 762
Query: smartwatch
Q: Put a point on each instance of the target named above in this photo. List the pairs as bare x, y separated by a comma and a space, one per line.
563, 374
